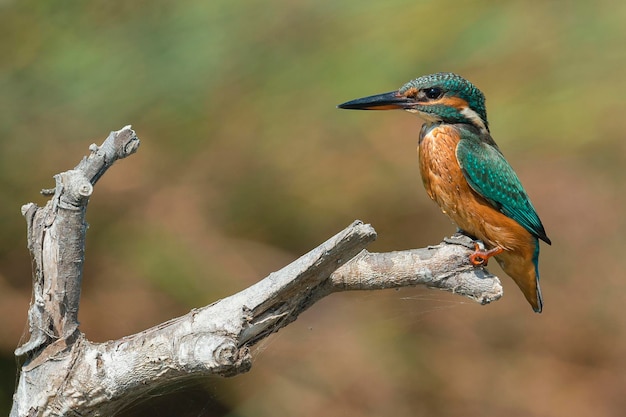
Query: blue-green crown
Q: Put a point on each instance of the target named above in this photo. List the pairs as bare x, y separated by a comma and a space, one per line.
452, 85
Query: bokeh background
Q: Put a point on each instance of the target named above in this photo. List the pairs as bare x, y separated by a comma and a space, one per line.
245, 164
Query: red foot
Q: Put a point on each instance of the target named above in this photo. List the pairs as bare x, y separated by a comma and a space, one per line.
481, 257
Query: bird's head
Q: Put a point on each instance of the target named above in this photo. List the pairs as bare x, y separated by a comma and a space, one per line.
442, 97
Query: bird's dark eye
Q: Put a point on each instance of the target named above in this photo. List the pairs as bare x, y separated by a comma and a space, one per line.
433, 92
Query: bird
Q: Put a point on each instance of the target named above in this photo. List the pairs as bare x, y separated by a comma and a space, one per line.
466, 174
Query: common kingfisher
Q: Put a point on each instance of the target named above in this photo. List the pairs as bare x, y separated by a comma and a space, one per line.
465, 173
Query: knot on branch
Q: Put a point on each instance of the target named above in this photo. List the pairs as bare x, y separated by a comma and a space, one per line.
73, 189
225, 353
213, 353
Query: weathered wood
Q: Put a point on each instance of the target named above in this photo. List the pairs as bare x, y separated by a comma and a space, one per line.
64, 374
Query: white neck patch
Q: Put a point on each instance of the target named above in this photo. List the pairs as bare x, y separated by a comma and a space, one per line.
474, 117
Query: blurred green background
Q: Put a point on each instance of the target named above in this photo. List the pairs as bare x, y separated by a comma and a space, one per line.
245, 164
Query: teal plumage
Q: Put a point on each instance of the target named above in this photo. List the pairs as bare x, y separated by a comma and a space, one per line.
491, 176
447, 81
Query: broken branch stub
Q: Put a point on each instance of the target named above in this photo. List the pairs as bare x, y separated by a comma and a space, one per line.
64, 374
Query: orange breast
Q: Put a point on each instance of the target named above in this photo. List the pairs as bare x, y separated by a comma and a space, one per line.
447, 186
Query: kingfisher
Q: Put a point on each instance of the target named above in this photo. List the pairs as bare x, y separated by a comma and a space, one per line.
465, 173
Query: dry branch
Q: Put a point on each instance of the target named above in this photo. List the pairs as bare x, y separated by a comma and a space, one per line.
64, 374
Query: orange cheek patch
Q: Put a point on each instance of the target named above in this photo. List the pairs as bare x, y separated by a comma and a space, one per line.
411, 92
456, 102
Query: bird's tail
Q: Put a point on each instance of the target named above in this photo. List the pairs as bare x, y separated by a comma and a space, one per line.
523, 267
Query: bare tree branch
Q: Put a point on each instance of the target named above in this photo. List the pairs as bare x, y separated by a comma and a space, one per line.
56, 240
66, 375
445, 266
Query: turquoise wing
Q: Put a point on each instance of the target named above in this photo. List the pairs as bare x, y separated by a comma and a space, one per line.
491, 176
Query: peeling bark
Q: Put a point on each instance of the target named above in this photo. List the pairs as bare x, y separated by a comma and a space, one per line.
64, 374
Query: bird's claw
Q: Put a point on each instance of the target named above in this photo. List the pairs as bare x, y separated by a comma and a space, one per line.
481, 256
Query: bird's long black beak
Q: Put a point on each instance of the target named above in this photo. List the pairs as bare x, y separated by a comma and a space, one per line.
386, 101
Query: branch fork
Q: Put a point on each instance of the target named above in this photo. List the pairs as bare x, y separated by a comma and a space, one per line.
64, 374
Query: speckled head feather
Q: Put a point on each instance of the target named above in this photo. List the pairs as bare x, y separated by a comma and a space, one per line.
447, 97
